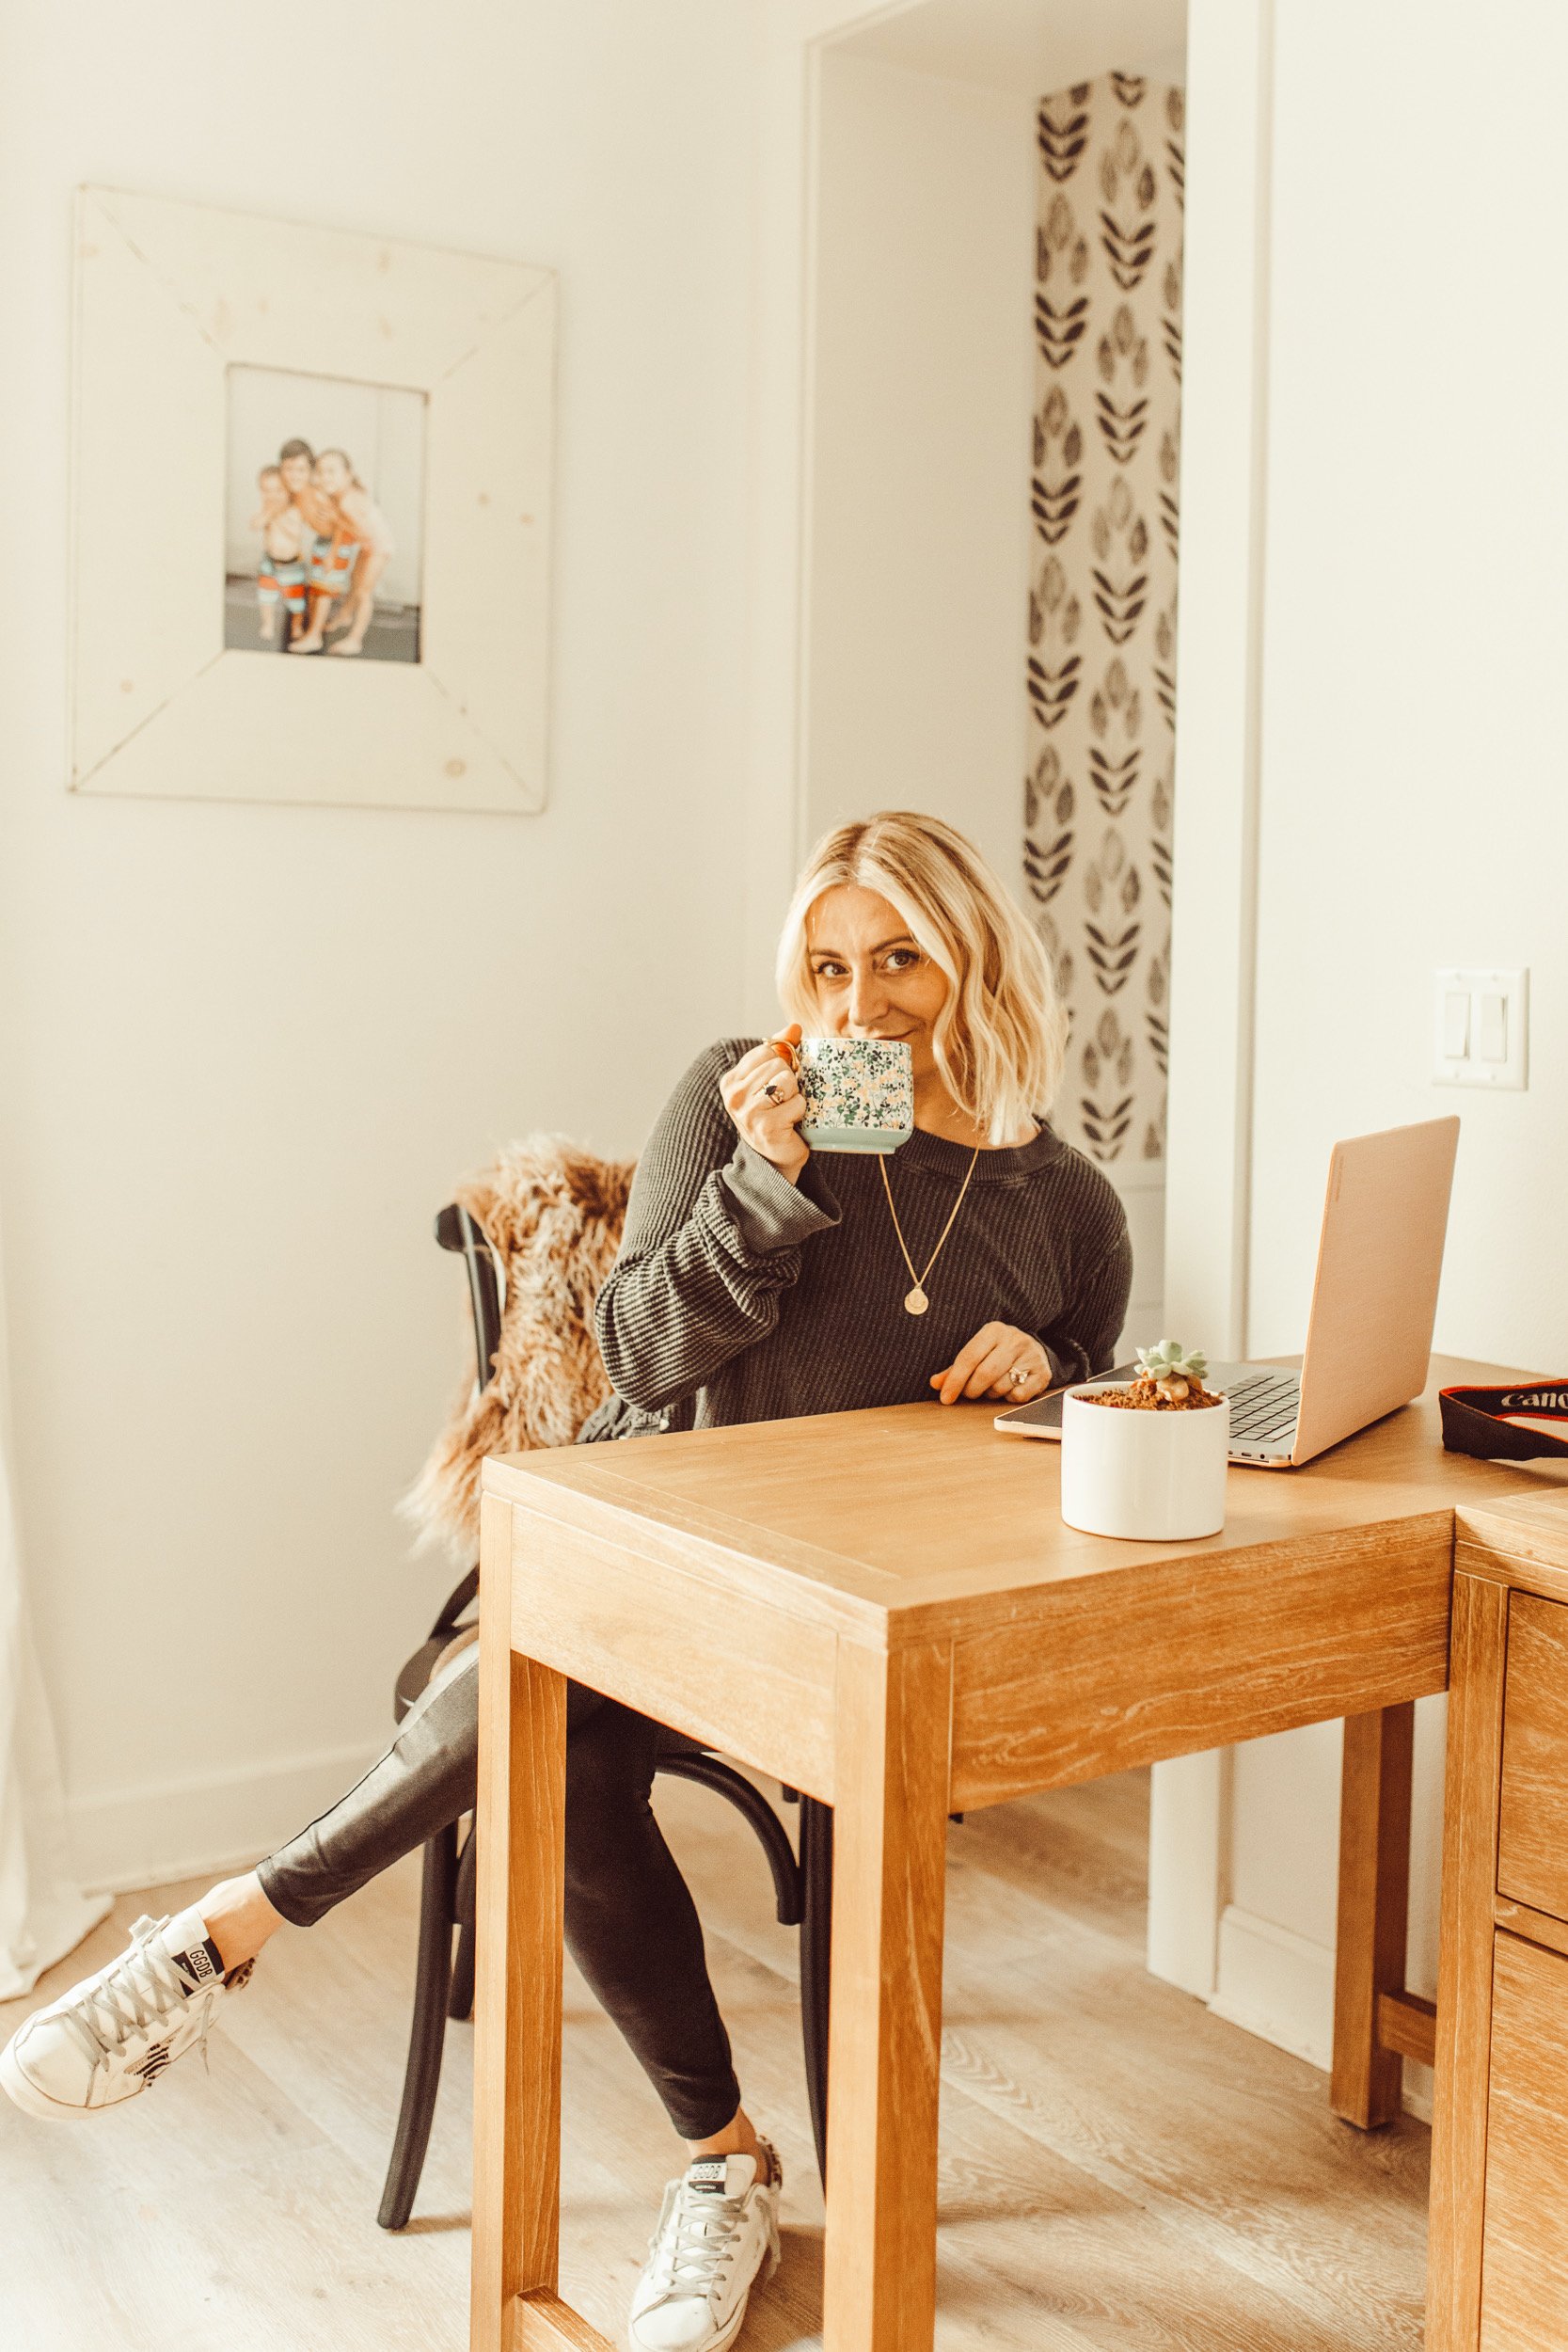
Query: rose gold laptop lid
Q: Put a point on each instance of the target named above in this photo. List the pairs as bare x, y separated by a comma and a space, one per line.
1374, 1299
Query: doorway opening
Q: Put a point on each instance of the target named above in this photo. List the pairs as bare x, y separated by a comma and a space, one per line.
991, 500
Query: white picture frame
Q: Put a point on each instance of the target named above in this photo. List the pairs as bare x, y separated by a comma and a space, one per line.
168, 296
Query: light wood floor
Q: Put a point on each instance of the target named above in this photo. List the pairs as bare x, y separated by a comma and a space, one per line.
1119, 2169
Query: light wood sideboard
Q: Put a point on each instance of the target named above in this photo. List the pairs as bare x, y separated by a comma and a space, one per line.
1499, 2262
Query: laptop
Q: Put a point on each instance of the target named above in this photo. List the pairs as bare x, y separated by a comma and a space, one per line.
1374, 1300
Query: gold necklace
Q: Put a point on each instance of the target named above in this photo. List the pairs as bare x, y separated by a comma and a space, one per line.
916, 1302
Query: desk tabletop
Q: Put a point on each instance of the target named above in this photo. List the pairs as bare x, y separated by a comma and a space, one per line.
929, 1515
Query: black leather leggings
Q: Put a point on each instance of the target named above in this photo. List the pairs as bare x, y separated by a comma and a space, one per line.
631, 1925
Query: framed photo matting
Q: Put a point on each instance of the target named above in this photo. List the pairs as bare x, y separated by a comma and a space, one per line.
311, 514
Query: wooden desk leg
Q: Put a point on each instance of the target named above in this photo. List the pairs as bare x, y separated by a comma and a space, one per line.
890, 1859
521, 1830
1368, 2080
1478, 1659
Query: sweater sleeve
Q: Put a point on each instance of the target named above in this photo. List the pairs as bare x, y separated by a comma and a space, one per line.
712, 1241
1082, 1341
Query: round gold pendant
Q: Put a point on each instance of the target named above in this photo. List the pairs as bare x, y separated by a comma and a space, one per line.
918, 1302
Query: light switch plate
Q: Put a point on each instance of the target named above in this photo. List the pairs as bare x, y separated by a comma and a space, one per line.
1481, 1029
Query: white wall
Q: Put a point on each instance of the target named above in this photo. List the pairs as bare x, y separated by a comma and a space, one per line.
1029, 46
1413, 813
1411, 809
244, 1051
918, 538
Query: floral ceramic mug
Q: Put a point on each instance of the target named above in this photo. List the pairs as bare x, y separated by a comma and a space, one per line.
859, 1090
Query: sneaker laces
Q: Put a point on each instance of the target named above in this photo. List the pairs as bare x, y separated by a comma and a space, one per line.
695, 2240
137, 1995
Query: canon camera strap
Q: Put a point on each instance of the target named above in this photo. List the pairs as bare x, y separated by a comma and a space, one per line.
1484, 1421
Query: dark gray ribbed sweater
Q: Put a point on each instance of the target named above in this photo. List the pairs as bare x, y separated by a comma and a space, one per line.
739, 1297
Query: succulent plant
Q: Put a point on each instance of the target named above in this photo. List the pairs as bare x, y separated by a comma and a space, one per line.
1171, 1361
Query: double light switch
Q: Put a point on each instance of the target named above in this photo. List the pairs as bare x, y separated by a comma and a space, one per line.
1482, 1028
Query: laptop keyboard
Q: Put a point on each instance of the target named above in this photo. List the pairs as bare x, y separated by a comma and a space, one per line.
1263, 1408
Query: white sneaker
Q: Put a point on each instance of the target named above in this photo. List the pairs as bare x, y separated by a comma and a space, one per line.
116, 2032
718, 2223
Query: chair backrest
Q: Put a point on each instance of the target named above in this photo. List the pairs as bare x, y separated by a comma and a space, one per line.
537, 1231
456, 1229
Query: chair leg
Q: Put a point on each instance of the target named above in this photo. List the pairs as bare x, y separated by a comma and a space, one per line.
711, 1771
817, 1938
460, 2002
427, 2033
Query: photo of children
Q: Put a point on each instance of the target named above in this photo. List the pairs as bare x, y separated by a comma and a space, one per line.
314, 562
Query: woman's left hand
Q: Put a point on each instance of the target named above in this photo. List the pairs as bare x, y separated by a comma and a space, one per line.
999, 1361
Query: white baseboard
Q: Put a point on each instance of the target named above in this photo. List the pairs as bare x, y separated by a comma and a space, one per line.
1188, 1824
1279, 1985
1276, 1983
212, 1821
1419, 2087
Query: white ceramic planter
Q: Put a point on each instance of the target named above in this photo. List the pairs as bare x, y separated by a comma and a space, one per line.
1158, 1477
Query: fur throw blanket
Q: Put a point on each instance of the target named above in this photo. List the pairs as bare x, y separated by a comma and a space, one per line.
552, 1214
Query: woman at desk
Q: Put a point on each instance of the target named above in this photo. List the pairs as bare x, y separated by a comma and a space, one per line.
754, 1282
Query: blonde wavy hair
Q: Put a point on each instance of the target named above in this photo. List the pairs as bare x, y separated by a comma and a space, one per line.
1000, 1039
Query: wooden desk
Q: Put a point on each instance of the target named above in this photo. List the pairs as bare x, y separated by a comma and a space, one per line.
885, 1610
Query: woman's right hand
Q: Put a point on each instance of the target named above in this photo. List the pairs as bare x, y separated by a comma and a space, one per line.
767, 1121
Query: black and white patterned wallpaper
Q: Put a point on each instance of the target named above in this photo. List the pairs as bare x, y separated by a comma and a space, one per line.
1102, 661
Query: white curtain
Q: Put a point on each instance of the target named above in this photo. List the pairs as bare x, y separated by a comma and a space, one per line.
43, 1911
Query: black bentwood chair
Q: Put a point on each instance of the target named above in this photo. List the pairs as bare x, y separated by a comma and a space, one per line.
444, 1982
